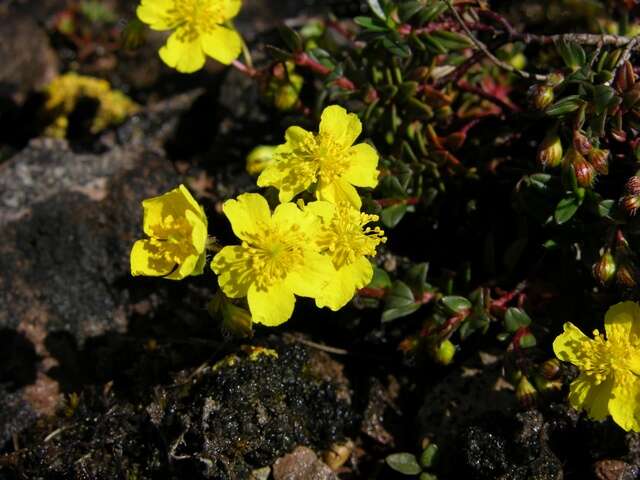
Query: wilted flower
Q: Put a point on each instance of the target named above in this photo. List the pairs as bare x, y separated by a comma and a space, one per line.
609, 382
328, 158
200, 27
177, 228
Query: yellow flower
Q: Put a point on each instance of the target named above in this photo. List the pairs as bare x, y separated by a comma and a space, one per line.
177, 230
328, 158
347, 240
200, 28
277, 259
609, 382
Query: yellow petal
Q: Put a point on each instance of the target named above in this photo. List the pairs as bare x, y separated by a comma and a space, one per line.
247, 214
176, 203
222, 44
186, 56
341, 126
345, 284
186, 268
288, 215
198, 232
290, 174
313, 277
568, 344
146, 260
273, 306
324, 210
234, 271
622, 322
584, 394
624, 402
362, 170
298, 140
338, 191
155, 13
230, 8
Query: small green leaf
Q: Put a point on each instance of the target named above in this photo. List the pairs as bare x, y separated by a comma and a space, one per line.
371, 24
566, 209
565, 105
392, 215
292, 40
528, 341
399, 312
604, 208
427, 476
390, 187
417, 277
429, 456
603, 96
572, 53
404, 463
377, 9
431, 12
400, 302
456, 304
380, 279
515, 318
451, 40
409, 9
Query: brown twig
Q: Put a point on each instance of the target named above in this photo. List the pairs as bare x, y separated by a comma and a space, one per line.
303, 60
483, 48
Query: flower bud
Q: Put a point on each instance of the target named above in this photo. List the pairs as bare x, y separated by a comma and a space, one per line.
625, 78
599, 158
631, 97
584, 171
541, 96
581, 143
632, 186
259, 158
444, 352
550, 369
630, 204
627, 274
550, 151
526, 393
546, 386
605, 268
555, 79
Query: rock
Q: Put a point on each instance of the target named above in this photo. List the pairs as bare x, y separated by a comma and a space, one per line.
27, 61
615, 470
67, 222
302, 464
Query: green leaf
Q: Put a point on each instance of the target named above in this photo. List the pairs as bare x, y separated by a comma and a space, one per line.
429, 456
603, 96
475, 322
565, 105
409, 9
514, 318
405, 463
292, 40
396, 47
572, 53
451, 40
528, 341
427, 476
566, 208
399, 312
604, 208
417, 277
431, 12
377, 9
456, 304
390, 187
392, 215
371, 24
380, 279
400, 295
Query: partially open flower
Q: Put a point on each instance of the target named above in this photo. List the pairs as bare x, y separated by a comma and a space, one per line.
177, 230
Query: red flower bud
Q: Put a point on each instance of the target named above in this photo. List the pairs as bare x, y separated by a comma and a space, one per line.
600, 160
584, 171
630, 204
632, 187
581, 143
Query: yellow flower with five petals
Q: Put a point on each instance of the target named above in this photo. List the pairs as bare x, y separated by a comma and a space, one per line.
348, 241
177, 228
277, 260
328, 158
200, 28
609, 381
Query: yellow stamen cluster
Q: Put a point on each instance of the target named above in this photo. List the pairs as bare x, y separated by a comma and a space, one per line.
195, 17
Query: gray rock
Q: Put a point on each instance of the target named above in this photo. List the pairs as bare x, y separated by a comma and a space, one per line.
302, 464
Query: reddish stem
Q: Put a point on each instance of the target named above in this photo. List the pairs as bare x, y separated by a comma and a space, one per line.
386, 202
303, 60
372, 292
504, 104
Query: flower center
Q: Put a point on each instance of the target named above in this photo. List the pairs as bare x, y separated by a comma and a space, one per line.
171, 240
195, 17
332, 158
346, 238
273, 253
600, 358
